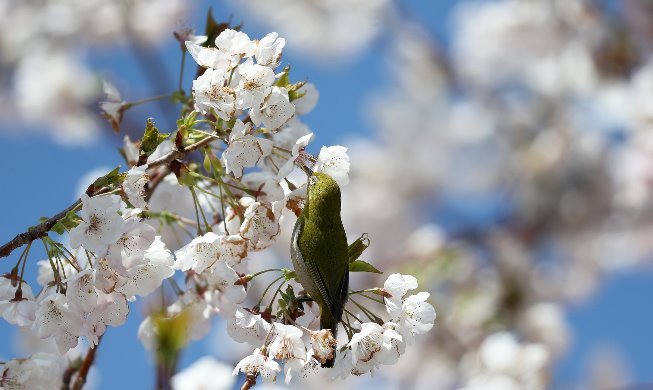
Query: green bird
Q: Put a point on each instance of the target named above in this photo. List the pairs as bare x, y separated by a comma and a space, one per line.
319, 251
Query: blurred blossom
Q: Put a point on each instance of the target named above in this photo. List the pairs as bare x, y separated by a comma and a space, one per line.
512, 168
206, 374
57, 93
608, 369
327, 29
46, 82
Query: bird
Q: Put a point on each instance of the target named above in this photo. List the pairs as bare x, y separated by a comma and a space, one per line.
319, 251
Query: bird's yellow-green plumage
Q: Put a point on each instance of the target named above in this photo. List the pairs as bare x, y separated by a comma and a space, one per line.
319, 251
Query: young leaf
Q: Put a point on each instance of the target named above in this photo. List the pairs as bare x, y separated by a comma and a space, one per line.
361, 266
357, 247
152, 138
113, 177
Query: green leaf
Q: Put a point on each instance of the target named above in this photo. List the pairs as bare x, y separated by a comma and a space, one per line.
283, 81
66, 223
361, 266
111, 178
357, 247
294, 95
59, 228
185, 176
288, 274
152, 138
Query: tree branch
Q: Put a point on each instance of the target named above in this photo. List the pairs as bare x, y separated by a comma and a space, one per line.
86, 366
42, 229
34, 233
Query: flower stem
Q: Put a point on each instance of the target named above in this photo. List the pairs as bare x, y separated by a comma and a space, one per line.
22, 270
362, 294
277, 292
264, 271
197, 213
353, 315
367, 312
148, 100
181, 69
266, 290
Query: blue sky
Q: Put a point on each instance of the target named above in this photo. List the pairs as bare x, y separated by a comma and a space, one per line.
40, 177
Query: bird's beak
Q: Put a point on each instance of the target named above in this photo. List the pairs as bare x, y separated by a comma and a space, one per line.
307, 170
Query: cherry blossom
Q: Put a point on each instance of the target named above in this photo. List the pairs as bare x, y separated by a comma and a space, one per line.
111, 309
211, 94
131, 150
398, 285
245, 150
287, 343
417, 315
269, 49
236, 43
101, 224
147, 277
261, 224
200, 254
266, 185
198, 315
297, 148
205, 251
39, 371
275, 110
300, 368
323, 345
334, 161
258, 364
113, 107
222, 290
371, 346
254, 84
209, 57
246, 327
242, 119
134, 185
81, 292
57, 318
129, 250
147, 333
19, 312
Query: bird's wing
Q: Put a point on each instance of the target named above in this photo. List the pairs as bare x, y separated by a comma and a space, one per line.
316, 281
342, 295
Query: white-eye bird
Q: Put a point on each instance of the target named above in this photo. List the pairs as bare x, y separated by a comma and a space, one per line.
319, 251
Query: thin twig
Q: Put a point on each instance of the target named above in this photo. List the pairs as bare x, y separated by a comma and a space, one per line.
42, 229
35, 232
86, 366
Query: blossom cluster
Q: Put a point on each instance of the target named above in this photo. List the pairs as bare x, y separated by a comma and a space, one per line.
302, 350
174, 224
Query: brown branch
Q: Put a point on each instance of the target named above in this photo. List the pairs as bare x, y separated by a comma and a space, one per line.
34, 233
67, 377
250, 381
86, 366
42, 229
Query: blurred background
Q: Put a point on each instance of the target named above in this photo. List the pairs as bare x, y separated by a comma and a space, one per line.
502, 151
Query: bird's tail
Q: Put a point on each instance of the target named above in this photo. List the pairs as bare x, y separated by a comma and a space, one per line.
327, 321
